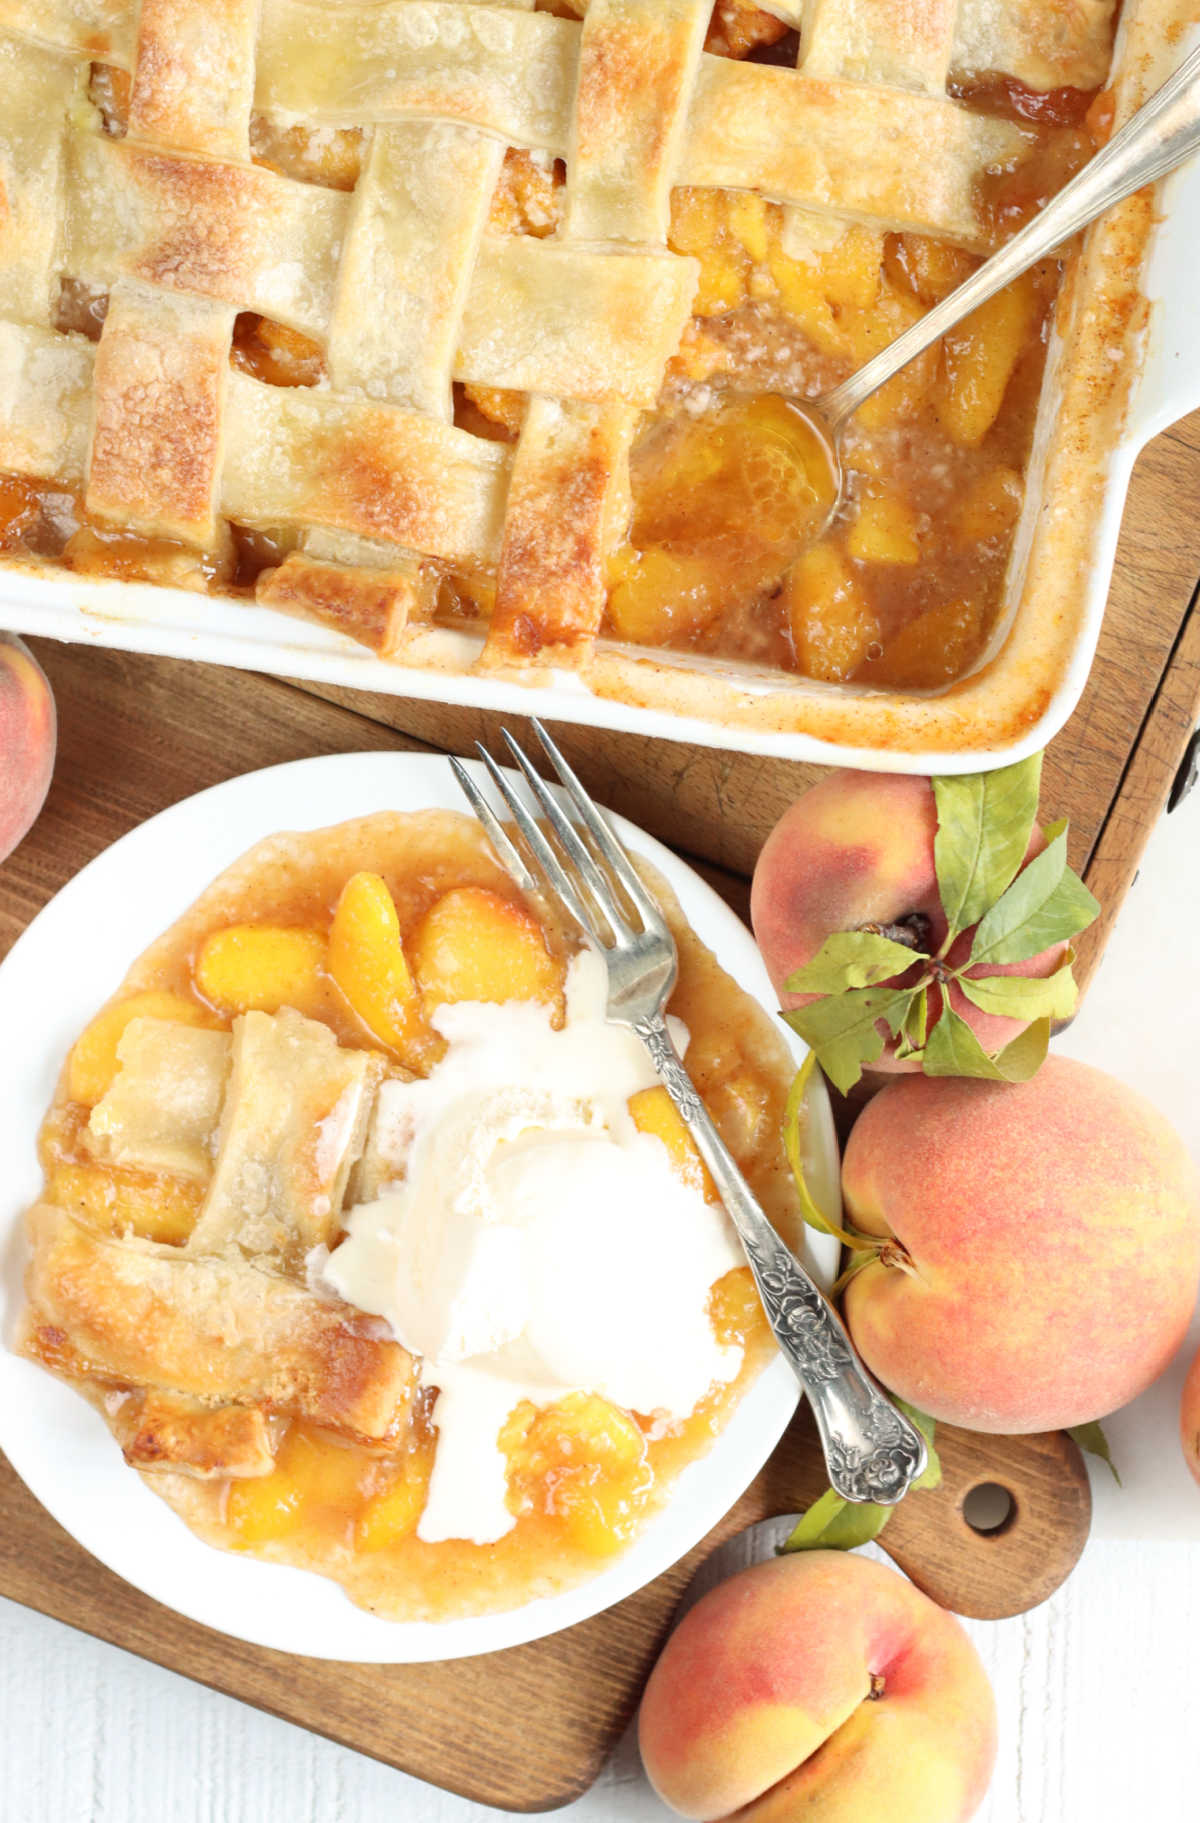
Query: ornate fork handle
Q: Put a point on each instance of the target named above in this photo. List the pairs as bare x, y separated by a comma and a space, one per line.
872, 1451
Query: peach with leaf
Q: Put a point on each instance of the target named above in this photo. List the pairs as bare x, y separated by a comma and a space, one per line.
913, 923
27, 741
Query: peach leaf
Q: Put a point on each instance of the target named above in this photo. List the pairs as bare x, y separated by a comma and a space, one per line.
1047, 903
952, 1049
1024, 996
984, 822
852, 959
844, 1029
1090, 1437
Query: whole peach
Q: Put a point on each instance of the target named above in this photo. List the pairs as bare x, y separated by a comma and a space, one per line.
1189, 1418
822, 1686
857, 851
1049, 1245
27, 741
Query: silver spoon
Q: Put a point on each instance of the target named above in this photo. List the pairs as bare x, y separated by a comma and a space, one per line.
1162, 134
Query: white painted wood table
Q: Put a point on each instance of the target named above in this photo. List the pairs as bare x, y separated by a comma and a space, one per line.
1097, 1689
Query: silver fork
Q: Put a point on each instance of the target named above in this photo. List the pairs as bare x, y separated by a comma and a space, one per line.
872, 1451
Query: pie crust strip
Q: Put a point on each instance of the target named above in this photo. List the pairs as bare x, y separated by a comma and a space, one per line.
215, 1329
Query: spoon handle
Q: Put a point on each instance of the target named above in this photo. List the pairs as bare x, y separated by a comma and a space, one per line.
1164, 131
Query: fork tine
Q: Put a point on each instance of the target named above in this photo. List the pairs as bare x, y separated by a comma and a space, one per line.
555, 878
600, 830
508, 855
597, 881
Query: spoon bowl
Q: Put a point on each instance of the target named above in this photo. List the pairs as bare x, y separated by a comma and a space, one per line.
1163, 133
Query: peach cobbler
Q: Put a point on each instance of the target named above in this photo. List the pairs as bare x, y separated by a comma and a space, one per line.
432, 316
357, 1214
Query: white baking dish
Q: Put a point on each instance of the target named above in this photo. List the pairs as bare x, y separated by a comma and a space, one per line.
1058, 584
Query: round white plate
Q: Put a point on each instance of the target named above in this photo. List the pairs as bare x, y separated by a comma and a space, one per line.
71, 958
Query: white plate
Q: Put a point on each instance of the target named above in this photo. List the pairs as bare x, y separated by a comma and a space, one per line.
71, 958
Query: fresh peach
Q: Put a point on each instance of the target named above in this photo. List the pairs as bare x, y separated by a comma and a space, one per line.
1046, 1245
856, 852
1189, 1418
823, 1686
27, 741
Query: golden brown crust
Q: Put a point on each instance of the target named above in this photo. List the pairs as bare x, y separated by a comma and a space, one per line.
570, 454
294, 1120
143, 1315
372, 607
177, 220
163, 1431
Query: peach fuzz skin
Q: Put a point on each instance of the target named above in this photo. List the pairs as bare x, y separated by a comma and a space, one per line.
821, 1686
857, 849
1189, 1418
1053, 1229
27, 741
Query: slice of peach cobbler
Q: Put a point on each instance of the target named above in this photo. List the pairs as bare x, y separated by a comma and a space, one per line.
357, 1215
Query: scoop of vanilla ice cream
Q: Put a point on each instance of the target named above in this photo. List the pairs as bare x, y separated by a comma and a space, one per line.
534, 1243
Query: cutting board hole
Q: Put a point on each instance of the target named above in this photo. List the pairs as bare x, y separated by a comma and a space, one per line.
989, 1509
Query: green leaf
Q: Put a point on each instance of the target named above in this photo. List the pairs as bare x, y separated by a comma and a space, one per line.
1090, 1437
931, 1474
916, 1022
1020, 997
834, 1524
1025, 1056
810, 1209
842, 1028
850, 959
1046, 904
985, 820
952, 1049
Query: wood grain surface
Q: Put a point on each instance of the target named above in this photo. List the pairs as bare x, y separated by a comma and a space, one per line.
137, 734
466, 1725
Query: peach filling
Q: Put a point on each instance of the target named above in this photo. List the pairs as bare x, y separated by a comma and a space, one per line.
903, 589
373, 954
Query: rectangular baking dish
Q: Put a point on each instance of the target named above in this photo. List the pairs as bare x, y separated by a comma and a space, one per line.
1124, 362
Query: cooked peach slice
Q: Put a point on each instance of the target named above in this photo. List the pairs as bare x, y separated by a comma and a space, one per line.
884, 531
392, 1513
749, 222
582, 1462
869, 331
654, 1112
735, 1307
155, 1208
590, 1458
929, 269
852, 268
657, 595
94, 1063
314, 1482
978, 360
832, 623
990, 506
700, 226
936, 648
472, 944
740, 1105
367, 961
804, 295
257, 968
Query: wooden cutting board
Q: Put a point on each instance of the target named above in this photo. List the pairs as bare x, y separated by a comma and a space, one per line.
137, 734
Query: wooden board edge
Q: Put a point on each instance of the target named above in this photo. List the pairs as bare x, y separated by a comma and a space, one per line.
1146, 781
